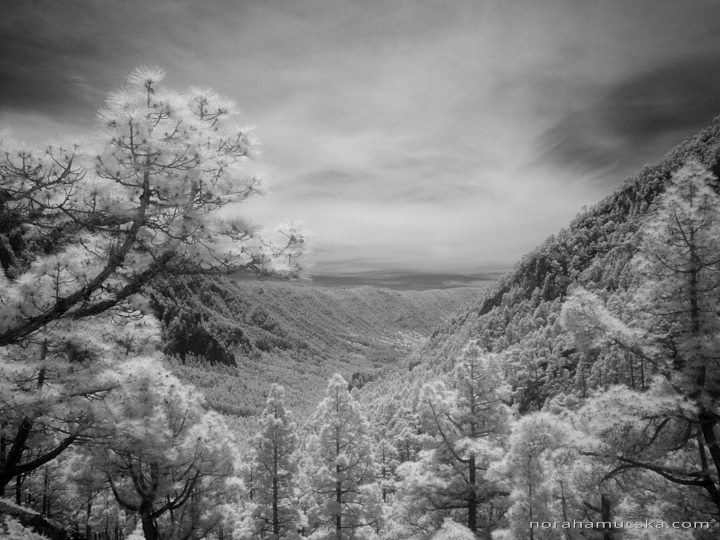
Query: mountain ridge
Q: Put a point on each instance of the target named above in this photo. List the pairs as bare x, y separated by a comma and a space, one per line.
519, 314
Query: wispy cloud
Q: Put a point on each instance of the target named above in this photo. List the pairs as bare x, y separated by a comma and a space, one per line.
649, 110
423, 135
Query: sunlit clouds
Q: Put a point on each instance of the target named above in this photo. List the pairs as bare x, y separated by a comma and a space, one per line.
424, 136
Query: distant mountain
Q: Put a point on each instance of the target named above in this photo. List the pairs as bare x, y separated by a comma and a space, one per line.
418, 281
234, 339
518, 315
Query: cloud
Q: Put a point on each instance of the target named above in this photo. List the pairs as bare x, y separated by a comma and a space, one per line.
639, 118
413, 134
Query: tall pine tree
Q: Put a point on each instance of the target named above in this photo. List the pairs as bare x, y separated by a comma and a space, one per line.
343, 497
672, 325
467, 419
276, 514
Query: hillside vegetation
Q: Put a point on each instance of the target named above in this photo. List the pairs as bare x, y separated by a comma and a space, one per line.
520, 312
603, 343
234, 339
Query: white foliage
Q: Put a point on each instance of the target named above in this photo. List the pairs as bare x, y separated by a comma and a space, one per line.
144, 197
161, 432
340, 455
137, 533
452, 530
274, 468
14, 530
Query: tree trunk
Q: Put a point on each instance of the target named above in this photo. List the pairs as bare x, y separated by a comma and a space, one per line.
18, 489
564, 509
530, 508
338, 500
707, 427
88, 510
384, 473
275, 517
3, 451
606, 516
107, 518
472, 499
338, 485
148, 525
10, 466
46, 496
12, 459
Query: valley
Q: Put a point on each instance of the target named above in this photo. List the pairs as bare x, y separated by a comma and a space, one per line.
232, 340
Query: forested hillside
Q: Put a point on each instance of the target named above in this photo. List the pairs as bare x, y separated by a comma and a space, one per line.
602, 343
593, 251
234, 338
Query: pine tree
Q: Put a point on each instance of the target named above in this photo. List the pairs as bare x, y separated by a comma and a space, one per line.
467, 419
672, 327
679, 268
85, 227
342, 495
168, 461
551, 481
387, 462
407, 435
51, 391
274, 467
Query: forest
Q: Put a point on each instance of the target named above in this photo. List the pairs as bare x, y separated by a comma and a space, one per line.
146, 395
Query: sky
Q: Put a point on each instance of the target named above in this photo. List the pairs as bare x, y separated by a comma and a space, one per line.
407, 136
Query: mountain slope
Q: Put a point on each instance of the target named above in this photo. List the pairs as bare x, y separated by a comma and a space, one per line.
519, 315
235, 339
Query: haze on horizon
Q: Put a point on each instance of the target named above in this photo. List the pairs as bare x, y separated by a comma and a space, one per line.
413, 136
